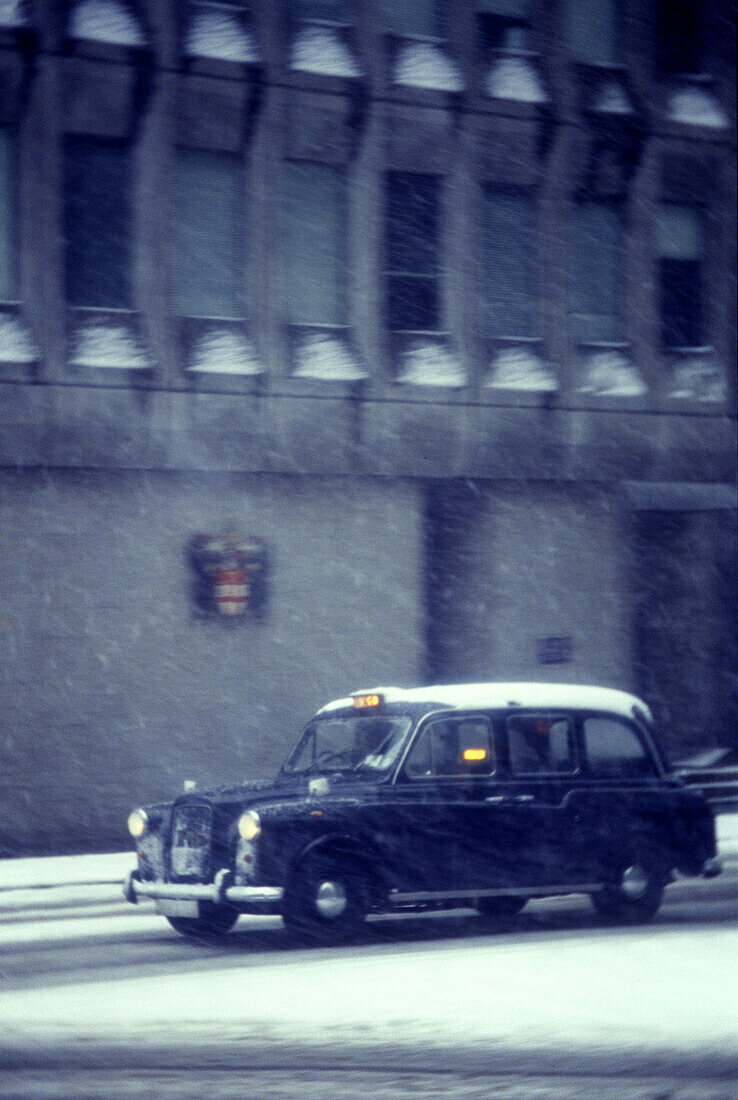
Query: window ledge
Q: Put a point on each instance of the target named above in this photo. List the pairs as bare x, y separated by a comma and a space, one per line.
427, 360
218, 355
323, 353
322, 50
605, 370
106, 341
19, 355
517, 366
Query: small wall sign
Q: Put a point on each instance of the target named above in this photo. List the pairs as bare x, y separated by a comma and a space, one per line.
555, 651
230, 575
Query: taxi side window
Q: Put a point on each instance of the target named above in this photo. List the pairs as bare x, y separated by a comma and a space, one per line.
540, 744
452, 747
614, 748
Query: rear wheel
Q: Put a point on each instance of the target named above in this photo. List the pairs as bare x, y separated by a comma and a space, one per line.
637, 896
214, 920
501, 908
325, 900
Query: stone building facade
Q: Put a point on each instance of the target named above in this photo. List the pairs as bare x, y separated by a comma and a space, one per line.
437, 298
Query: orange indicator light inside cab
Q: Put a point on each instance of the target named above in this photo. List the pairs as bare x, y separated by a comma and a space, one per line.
366, 702
474, 755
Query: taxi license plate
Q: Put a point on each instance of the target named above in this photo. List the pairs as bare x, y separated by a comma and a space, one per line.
177, 907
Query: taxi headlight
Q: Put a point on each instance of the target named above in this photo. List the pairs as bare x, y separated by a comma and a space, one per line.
249, 825
138, 823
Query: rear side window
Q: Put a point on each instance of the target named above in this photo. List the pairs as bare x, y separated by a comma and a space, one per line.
614, 748
452, 747
540, 744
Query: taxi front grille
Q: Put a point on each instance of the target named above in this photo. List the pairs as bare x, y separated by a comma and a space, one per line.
189, 854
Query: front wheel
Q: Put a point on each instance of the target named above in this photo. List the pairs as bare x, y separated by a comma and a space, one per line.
636, 897
213, 921
325, 900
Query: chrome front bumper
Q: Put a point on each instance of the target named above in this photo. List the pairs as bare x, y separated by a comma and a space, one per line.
219, 891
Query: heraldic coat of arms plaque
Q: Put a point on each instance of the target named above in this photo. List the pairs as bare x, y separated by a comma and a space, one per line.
230, 574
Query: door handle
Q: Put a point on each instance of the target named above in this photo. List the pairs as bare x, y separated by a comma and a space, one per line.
525, 798
496, 798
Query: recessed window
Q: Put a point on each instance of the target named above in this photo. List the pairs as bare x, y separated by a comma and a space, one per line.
411, 17
593, 31
314, 261
597, 271
411, 250
209, 234
613, 748
680, 243
540, 744
97, 222
679, 36
508, 257
504, 24
8, 215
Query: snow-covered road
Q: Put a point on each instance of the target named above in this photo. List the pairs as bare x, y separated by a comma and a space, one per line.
557, 991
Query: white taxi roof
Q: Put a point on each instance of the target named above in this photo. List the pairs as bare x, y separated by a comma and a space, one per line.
501, 695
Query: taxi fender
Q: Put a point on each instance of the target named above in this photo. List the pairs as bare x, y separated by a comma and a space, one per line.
342, 846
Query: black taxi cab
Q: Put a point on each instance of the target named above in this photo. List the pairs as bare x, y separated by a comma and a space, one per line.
480, 795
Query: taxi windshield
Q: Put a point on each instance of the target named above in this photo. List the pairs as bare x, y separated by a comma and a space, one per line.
366, 745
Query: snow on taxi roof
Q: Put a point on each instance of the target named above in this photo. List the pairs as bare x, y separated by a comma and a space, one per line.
527, 694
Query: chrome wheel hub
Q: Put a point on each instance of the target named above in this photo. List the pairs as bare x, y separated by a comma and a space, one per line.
330, 900
635, 881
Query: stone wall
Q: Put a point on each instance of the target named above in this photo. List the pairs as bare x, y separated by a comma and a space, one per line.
113, 691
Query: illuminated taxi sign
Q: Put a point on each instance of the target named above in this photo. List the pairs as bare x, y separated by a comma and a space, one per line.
368, 701
473, 756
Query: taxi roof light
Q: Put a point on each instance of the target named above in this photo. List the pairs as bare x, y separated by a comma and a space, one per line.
367, 700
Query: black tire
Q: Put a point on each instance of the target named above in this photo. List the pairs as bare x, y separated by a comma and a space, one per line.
213, 921
501, 908
636, 898
325, 900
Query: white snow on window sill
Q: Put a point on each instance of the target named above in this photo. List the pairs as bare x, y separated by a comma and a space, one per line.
16, 345
427, 363
519, 368
319, 355
105, 21
224, 353
612, 99
320, 50
514, 77
219, 35
13, 13
699, 380
696, 107
609, 374
105, 345
424, 65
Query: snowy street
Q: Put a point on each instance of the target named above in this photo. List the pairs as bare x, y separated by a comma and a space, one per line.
114, 999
